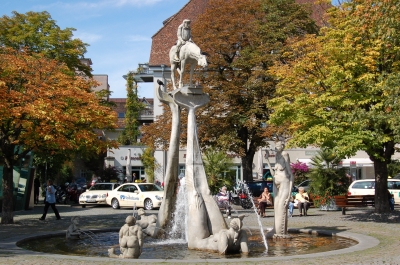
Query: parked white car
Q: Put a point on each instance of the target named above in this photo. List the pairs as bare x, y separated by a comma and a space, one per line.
367, 187
96, 194
146, 195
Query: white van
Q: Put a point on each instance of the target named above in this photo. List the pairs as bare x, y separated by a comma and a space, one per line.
367, 187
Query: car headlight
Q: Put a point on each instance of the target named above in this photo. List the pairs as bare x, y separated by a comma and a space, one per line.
103, 196
82, 196
159, 197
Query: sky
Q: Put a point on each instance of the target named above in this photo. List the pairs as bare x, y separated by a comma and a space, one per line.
118, 31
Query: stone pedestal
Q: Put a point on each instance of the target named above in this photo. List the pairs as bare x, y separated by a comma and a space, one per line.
204, 217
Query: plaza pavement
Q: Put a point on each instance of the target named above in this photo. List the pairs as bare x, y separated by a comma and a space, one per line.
383, 247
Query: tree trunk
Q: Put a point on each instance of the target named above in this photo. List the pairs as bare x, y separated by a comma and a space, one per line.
247, 164
7, 216
381, 188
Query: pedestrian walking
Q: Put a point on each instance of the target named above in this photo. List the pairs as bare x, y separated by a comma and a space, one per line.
50, 200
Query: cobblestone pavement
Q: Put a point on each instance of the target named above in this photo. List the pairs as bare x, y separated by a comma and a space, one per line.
385, 228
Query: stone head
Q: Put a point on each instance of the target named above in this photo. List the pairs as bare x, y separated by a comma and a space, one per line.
279, 145
141, 211
75, 220
130, 220
236, 224
186, 23
202, 60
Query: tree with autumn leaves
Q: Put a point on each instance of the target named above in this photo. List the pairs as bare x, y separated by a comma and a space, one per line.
243, 39
46, 101
340, 89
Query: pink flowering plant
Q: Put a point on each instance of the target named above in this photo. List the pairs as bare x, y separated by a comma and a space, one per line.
299, 171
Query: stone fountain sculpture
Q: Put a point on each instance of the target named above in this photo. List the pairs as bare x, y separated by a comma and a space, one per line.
282, 187
205, 222
130, 240
73, 232
185, 52
147, 222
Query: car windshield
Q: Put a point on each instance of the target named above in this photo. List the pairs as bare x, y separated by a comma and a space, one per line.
149, 187
102, 187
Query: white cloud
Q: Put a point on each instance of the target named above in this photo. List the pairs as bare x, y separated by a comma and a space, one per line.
87, 37
137, 38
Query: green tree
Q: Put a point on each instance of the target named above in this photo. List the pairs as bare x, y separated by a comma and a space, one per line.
39, 33
109, 173
340, 89
327, 180
243, 39
149, 162
218, 166
133, 107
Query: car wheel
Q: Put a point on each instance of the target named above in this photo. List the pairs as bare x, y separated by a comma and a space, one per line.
115, 203
148, 204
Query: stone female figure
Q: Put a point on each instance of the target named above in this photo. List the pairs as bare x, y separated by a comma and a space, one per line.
130, 240
283, 182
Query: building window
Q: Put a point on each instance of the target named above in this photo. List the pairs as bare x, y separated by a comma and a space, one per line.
85, 174
121, 114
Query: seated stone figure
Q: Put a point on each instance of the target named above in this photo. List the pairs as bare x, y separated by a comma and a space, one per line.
147, 222
73, 232
130, 240
227, 241
233, 240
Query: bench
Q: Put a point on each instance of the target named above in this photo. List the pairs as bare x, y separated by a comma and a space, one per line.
345, 201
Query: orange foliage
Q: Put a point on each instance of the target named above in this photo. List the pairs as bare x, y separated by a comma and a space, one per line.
41, 106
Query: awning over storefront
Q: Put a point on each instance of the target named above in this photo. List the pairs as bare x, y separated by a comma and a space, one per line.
357, 162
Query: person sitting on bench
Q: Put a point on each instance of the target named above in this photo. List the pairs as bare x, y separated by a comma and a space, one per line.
303, 202
264, 200
223, 200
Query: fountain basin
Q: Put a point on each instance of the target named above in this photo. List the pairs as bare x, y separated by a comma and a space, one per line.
301, 245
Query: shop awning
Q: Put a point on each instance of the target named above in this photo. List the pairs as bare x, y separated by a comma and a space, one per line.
357, 162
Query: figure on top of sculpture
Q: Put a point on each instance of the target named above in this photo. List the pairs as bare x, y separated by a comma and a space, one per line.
184, 34
130, 240
185, 52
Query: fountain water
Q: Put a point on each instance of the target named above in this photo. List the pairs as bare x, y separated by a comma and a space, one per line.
247, 190
135, 213
89, 233
179, 217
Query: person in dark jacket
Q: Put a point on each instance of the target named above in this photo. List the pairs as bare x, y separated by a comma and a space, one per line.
36, 186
